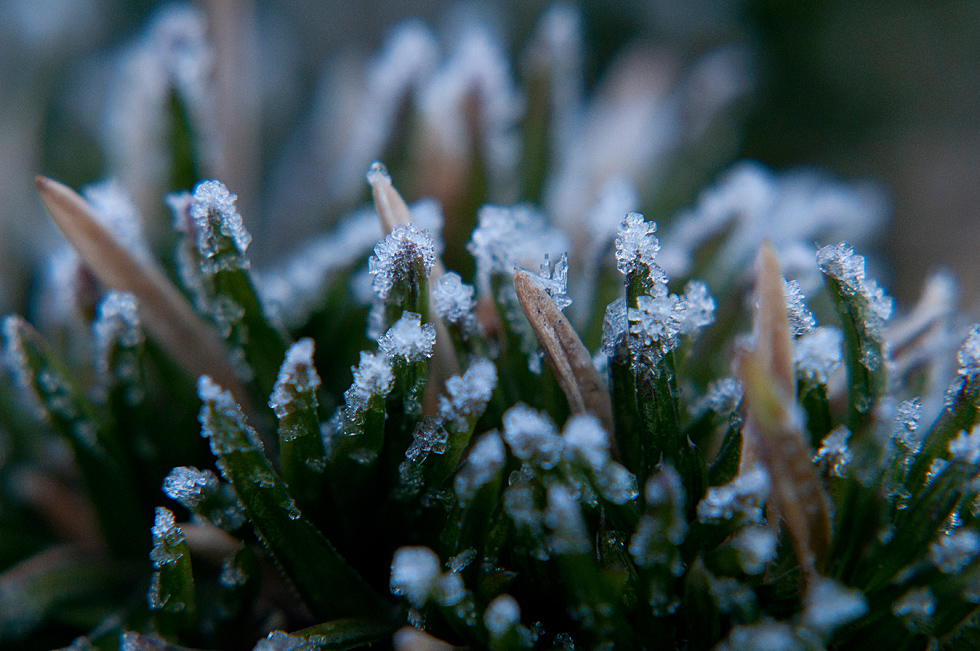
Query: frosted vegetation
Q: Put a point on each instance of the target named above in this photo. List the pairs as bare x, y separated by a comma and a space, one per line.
513, 414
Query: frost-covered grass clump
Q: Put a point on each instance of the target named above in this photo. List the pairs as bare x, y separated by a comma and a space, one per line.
516, 414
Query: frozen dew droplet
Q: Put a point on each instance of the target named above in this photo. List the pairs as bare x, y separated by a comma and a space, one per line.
830, 605
415, 572
502, 614
221, 235
409, 340
395, 258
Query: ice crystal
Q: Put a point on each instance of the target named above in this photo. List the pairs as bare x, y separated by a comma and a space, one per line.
907, 416
722, 397
189, 486
636, 250
801, 320
118, 325
217, 222
502, 614
829, 605
698, 306
756, 548
373, 377
553, 279
469, 393
485, 460
297, 379
218, 406
415, 572
841, 263
532, 436
615, 327
834, 454
397, 254
817, 354
744, 496
654, 326
969, 354
954, 551
166, 537
409, 340
564, 517
452, 299
965, 448
429, 436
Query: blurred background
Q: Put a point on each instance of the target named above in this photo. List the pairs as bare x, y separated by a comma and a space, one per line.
887, 91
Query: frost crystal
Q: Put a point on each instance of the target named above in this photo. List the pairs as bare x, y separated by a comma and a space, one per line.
502, 614
654, 326
744, 496
218, 223
189, 486
297, 380
564, 517
965, 448
118, 325
636, 250
954, 551
166, 537
485, 459
906, 423
396, 255
756, 548
969, 354
722, 397
532, 436
916, 608
415, 572
469, 394
429, 436
841, 263
554, 281
219, 405
830, 605
409, 340
834, 453
115, 210
452, 299
615, 327
817, 354
586, 441
801, 320
699, 307
373, 377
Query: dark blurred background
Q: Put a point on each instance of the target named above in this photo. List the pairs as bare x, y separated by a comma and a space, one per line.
866, 89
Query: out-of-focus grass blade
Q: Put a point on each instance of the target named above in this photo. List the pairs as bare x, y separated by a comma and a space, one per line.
324, 580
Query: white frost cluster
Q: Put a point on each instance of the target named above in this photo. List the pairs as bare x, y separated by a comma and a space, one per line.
801, 319
216, 218
117, 324
841, 263
189, 486
699, 307
502, 614
409, 340
429, 436
954, 551
506, 237
829, 605
218, 405
636, 250
916, 608
965, 448
907, 416
563, 516
485, 459
722, 397
297, 381
585, 441
615, 327
834, 453
452, 299
818, 353
416, 574
665, 495
969, 354
395, 257
166, 537
744, 497
373, 377
756, 547
532, 436
767, 636
469, 393
655, 324
553, 279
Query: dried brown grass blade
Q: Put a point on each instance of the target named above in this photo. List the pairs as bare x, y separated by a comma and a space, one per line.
774, 425
567, 355
167, 316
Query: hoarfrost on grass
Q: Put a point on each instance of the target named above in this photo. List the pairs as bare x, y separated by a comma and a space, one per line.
969, 354
397, 254
532, 436
698, 306
834, 453
954, 551
297, 381
615, 327
841, 263
636, 250
564, 517
452, 299
655, 324
756, 547
485, 460
469, 393
216, 219
916, 608
219, 405
829, 605
409, 340
553, 279
189, 486
744, 497
722, 397
166, 537
801, 319
765, 636
502, 614
965, 448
